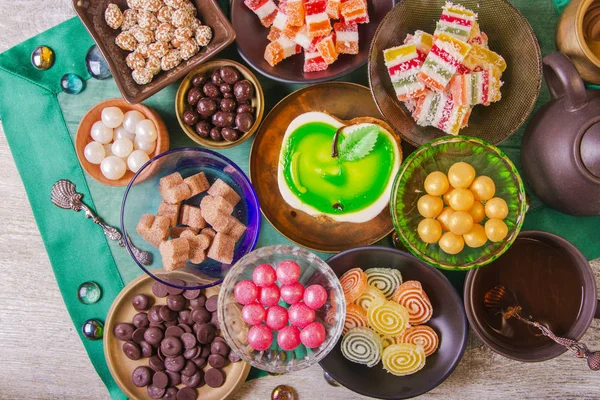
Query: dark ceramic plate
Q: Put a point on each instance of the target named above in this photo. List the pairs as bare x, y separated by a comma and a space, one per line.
449, 321
510, 35
252, 41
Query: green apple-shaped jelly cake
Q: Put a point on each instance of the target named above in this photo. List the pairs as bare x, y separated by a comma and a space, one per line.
342, 171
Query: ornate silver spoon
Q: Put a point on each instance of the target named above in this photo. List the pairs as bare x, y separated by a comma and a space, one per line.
63, 195
501, 299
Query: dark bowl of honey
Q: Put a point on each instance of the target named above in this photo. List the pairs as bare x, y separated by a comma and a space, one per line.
554, 284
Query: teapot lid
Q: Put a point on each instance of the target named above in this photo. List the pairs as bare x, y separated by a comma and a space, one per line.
590, 149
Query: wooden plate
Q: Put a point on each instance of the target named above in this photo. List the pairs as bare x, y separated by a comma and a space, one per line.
122, 367
83, 137
252, 41
344, 101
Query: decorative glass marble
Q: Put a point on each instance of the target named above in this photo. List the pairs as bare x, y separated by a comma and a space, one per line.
96, 64
283, 392
42, 57
71, 84
93, 329
89, 293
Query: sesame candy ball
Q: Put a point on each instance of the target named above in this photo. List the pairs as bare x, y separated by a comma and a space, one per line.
188, 49
134, 4
147, 20
153, 65
181, 17
184, 33
203, 35
174, 3
165, 32
158, 49
196, 24
170, 60
129, 19
142, 49
164, 14
151, 5
189, 7
135, 61
142, 76
143, 35
126, 41
113, 16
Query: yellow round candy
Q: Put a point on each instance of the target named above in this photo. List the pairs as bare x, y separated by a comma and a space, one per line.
436, 183
451, 243
444, 217
430, 206
483, 188
461, 200
460, 222
496, 208
460, 175
477, 212
429, 230
496, 230
476, 237
446, 196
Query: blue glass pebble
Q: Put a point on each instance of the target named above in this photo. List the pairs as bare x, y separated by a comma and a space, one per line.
93, 329
71, 84
96, 64
89, 293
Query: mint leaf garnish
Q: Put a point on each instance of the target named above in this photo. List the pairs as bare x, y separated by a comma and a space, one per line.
358, 143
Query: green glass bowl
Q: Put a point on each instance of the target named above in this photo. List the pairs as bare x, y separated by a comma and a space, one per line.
439, 155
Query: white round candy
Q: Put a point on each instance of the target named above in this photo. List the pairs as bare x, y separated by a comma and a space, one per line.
146, 131
122, 133
94, 152
122, 147
131, 120
112, 116
101, 133
108, 150
113, 167
137, 159
148, 147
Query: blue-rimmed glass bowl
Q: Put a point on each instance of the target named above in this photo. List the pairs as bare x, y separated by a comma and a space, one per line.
439, 155
142, 197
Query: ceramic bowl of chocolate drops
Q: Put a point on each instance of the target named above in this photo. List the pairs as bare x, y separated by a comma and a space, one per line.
220, 104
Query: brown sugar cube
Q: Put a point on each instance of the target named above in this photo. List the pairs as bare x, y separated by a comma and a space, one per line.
220, 188
170, 211
175, 253
175, 194
197, 183
237, 229
220, 222
170, 181
192, 216
198, 245
144, 225
222, 248
217, 203
210, 232
177, 231
159, 231
197, 255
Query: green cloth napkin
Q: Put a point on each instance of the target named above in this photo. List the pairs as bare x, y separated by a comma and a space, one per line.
40, 122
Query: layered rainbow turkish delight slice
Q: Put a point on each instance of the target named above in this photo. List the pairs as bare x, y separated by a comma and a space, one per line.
439, 110
455, 21
442, 62
482, 87
403, 65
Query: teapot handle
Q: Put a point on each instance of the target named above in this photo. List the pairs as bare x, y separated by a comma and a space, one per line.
563, 80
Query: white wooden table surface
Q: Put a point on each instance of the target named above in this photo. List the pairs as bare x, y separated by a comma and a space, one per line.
55, 365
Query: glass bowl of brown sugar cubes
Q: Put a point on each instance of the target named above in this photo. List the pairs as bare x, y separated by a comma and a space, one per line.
194, 210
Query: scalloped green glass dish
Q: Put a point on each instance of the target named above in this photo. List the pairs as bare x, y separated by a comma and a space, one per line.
439, 155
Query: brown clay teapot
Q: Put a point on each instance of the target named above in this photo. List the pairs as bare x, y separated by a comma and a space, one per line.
560, 152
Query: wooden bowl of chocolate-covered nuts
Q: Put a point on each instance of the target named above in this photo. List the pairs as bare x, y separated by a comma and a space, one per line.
220, 104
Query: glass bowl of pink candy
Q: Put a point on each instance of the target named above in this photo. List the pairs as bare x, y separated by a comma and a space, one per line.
281, 308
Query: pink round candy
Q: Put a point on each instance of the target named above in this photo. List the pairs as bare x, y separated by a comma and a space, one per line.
245, 292
277, 317
313, 335
260, 337
315, 296
292, 293
288, 272
269, 295
301, 315
253, 313
264, 275
288, 338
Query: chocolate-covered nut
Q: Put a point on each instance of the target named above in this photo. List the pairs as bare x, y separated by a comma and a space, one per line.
222, 119
199, 80
215, 77
123, 330
206, 107
170, 393
174, 378
174, 331
176, 302
228, 105
216, 361
244, 121
234, 357
159, 289
174, 364
160, 380
167, 314
199, 301
191, 293
200, 361
211, 90
141, 376
171, 346
230, 134
140, 302
194, 95
203, 129
212, 303
147, 349
194, 380
189, 340
155, 392
173, 289
243, 90
200, 315
205, 351
215, 134
140, 320
153, 335
189, 369
225, 88
186, 393
214, 378
154, 315
186, 328
191, 117
245, 108
206, 333
132, 350
192, 353
219, 347
156, 363
229, 74
138, 335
